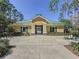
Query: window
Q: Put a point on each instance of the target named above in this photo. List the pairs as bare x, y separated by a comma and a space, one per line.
24, 29
53, 29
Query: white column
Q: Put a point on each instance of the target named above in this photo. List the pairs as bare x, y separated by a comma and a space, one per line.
44, 29
33, 29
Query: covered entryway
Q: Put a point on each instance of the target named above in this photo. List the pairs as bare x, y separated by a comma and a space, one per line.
39, 25
38, 29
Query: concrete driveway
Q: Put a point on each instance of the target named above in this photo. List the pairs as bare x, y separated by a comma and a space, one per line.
39, 47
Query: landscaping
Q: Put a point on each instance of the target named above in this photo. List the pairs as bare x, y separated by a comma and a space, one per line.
74, 48
4, 47
56, 34
18, 28
74, 36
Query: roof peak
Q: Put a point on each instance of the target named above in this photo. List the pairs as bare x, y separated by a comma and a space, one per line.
40, 17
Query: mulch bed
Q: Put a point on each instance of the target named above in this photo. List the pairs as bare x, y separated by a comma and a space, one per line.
69, 47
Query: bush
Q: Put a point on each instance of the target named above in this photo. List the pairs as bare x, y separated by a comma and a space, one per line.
5, 42
4, 47
10, 29
20, 34
56, 33
75, 46
17, 34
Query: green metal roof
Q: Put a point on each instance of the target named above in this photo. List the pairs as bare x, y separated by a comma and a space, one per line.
24, 22
54, 23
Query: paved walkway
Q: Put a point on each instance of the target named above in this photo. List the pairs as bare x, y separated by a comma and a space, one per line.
39, 47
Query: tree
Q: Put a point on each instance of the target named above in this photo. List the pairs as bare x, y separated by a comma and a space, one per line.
8, 13
66, 22
54, 5
69, 7
21, 16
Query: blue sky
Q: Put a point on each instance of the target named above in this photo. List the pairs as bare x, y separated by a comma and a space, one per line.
30, 8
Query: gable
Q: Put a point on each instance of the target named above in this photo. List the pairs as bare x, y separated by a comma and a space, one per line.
39, 19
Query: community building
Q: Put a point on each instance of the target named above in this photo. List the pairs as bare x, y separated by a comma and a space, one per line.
38, 25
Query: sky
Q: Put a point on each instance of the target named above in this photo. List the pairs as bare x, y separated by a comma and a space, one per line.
29, 8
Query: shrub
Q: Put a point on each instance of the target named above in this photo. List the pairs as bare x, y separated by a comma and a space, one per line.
10, 29
4, 44
75, 46
17, 34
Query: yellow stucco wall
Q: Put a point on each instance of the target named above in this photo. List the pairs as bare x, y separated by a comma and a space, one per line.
48, 28
29, 29
17, 28
60, 28
38, 21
